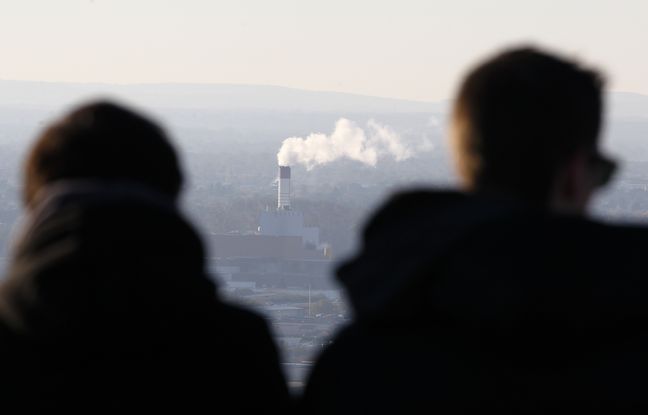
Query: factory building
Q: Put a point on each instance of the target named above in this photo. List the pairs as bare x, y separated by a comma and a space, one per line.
283, 252
284, 221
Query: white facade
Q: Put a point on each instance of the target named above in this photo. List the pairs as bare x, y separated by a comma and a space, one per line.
288, 223
284, 221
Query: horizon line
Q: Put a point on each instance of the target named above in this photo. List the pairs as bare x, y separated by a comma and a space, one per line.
236, 84
179, 83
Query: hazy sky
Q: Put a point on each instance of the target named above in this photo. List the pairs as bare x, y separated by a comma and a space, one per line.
413, 49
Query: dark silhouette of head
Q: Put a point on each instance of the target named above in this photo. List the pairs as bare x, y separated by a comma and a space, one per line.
526, 124
103, 141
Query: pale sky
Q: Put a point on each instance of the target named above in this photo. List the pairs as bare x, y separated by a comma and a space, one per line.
414, 49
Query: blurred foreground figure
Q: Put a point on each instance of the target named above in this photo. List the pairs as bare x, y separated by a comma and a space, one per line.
106, 307
503, 298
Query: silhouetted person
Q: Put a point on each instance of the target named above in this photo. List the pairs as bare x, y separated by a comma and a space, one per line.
106, 307
503, 298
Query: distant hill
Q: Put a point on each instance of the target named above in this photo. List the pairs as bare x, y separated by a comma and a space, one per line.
214, 97
224, 97
627, 105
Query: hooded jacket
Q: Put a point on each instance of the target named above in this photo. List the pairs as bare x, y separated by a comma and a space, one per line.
465, 304
106, 308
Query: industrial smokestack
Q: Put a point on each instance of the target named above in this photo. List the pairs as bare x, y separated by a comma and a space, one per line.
283, 199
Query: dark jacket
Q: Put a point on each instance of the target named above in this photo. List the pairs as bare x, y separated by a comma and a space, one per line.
106, 308
468, 305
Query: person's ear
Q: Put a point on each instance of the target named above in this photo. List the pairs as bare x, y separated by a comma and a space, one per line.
572, 187
577, 175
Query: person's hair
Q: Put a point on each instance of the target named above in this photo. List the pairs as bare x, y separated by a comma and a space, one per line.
103, 141
520, 116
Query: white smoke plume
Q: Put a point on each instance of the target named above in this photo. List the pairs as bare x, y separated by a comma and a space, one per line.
349, 141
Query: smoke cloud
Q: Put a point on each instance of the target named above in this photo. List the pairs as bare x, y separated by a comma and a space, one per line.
348, 140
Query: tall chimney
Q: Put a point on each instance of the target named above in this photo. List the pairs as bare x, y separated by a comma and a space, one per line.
283, 200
